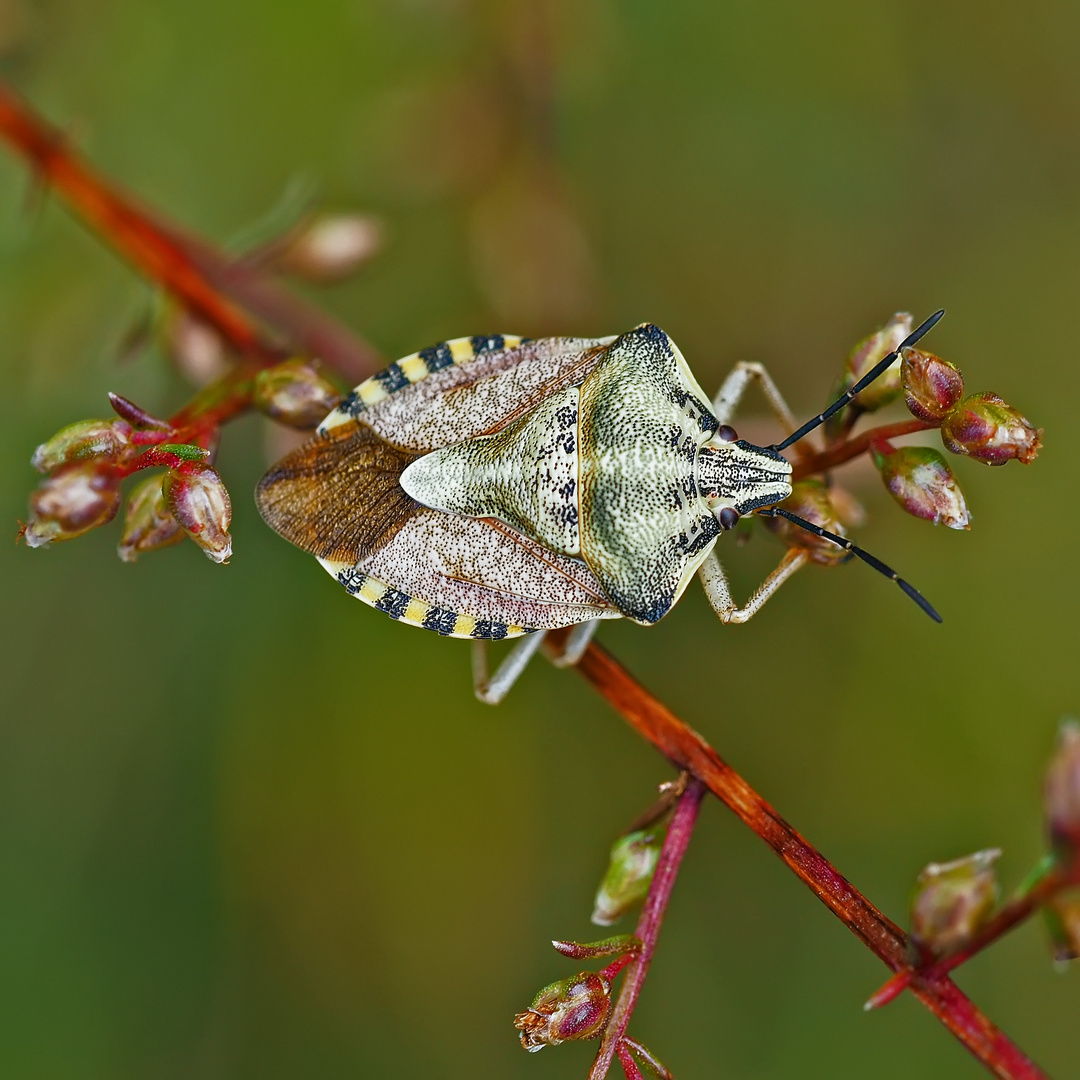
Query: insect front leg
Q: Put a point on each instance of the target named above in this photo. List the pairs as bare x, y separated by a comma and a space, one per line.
719, 592
734, 386
577, 641
492, 690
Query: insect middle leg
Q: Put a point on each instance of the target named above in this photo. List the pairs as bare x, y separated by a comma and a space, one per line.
734, 386
719, 592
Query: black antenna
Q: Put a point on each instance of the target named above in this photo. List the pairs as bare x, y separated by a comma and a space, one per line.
866, 557
878, 369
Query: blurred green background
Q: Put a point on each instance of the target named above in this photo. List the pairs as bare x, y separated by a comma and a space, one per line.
251, 829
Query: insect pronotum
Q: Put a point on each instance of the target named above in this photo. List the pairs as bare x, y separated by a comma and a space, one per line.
497, 487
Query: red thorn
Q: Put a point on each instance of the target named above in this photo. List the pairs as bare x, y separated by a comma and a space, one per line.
892, 989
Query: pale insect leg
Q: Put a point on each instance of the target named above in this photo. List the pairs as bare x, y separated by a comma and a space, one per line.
730, 394
719, 592
577, 641
492, 691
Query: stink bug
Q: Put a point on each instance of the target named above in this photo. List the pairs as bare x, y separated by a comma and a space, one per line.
494, 487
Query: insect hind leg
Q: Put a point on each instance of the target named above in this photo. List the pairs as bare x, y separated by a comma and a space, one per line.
718, 591
577, 641
491, 690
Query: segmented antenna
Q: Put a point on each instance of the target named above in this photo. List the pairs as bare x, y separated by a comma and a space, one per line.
866, 557
878, 369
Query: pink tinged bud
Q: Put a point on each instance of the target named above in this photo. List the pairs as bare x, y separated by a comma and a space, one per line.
867, 353
574, 1008
74, 500
331, 248
920, 480
148, 525
988, 430
105, 439
197, 348
810, 499
932, 387
629, 874
294, 393
952, 900
1061, 790
195, 495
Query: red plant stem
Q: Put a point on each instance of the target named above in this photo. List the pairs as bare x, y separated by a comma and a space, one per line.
687, 750
193, 271
626, 1060
845, 451
648, 928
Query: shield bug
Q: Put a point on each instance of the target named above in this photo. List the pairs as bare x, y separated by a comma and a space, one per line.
495, 487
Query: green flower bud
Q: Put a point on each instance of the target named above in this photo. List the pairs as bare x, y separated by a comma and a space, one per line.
294, 393
629, 873
148, 525
106, 439
574, 1008
985, 428
952, 900
72, 501
932, 387
920, 480
195, 495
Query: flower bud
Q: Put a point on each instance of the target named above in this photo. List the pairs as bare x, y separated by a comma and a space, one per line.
148, 525
861, 359
952, 900
574, 1008
932, 386
294, 393
330, 248
107, 439
1062, 913
809, 499
72, 501
198, 350
988, 430
1061, 790
195, 495
629, 873
920, 480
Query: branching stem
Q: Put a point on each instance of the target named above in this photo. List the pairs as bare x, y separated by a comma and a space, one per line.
678, 836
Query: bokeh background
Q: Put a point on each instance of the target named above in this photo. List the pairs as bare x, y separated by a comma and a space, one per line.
251, 829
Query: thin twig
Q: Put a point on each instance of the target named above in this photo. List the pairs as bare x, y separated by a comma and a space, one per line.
845, 451
648, 928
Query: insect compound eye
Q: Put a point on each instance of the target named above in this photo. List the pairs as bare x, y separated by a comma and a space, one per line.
728, 517
726, 433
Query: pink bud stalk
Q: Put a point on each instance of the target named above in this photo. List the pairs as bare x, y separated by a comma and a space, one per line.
920, 480
72, 501
932, 387
985, 428
195, 495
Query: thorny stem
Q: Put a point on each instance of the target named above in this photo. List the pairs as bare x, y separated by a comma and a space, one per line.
648, 927
217, 289
687, 750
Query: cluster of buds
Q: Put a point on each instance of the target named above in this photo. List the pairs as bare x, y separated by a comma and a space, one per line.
983, 426
85, 464
951, 902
